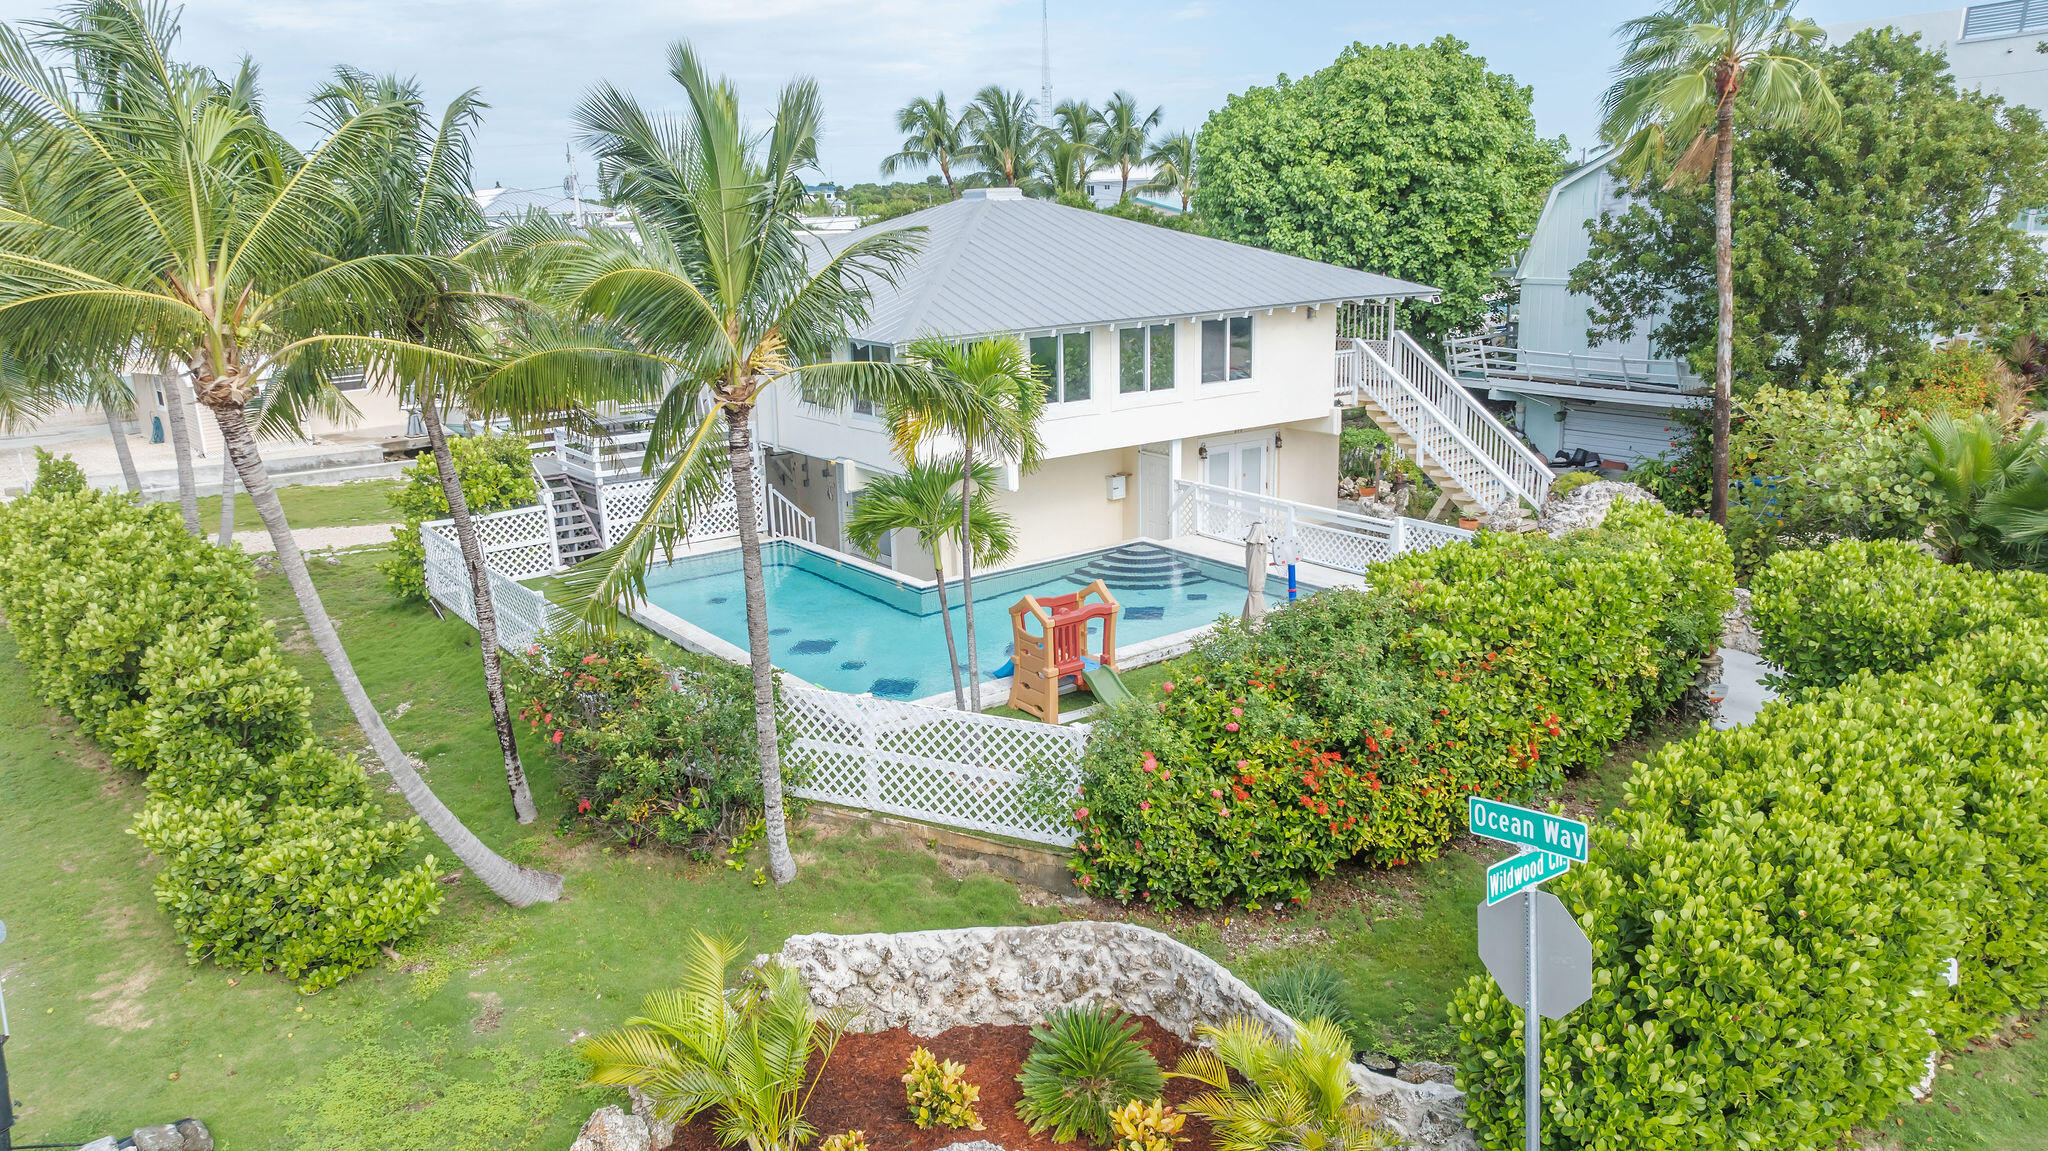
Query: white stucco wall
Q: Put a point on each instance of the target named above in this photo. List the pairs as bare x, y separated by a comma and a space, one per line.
2005, 66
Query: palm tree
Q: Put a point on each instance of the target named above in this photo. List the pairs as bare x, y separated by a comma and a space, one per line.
1173, 167
1126, 136
933, 136
1685, 72
1080, 128
1003, 136
105, 389
175, 222
925, 500
720, 291
1991, 490
991, 399
742, 1054
1266, 1091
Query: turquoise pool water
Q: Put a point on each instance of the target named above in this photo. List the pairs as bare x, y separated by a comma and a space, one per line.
843, 627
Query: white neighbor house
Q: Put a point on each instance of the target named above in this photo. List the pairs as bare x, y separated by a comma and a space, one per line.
1170, 356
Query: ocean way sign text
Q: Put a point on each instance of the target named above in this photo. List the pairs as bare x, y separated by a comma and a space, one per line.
1539, 829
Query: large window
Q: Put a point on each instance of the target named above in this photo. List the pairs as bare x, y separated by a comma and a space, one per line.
1145, 358
1226, 349
866, 353
1063, 360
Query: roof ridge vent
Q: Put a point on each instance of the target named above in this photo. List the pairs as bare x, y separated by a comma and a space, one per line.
992, 194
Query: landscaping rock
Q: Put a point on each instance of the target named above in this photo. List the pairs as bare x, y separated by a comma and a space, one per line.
611, 1129
162, 1137
1587, 506
660, 1135
197, 1137
1423, 1071
1736, 629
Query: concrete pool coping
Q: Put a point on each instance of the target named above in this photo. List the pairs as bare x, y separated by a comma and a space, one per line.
690, 636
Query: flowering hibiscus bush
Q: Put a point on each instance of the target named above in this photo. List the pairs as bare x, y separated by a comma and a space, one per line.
1354, 724
646, 752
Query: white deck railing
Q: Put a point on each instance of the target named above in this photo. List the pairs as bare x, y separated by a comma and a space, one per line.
1474, 355
1331, 538
785, 519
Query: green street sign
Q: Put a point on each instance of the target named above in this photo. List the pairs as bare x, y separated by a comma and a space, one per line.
1520, 825
1525, 870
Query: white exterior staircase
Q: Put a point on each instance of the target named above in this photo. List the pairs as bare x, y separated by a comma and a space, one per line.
576, 538
1482, 466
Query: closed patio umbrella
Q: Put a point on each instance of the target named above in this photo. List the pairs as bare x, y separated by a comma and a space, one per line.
1255, 573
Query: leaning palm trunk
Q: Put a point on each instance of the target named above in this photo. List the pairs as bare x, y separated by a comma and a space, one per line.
952, 647
516, 885
739, 442
227, 499
181, 451
129, 475
486, 611
967, 571
1724, 291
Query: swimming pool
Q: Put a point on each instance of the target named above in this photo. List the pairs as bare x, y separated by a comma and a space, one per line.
843, 626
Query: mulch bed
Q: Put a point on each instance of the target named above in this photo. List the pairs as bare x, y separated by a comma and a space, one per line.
863, 1090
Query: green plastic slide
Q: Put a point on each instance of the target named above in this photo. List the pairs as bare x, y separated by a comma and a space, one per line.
1108, 688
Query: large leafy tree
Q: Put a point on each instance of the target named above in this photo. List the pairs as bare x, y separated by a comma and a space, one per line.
1685, 72
721, 292
1411, 160
173, 224
1848, 248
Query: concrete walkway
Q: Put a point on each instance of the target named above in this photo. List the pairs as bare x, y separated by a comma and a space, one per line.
344, 537
1742, 676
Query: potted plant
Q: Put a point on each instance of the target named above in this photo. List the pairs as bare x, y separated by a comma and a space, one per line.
1468, 523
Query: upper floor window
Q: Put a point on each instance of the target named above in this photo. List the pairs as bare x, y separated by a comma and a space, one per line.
1226, 349
1145, 358
867, 353
1063, 360
2005, 18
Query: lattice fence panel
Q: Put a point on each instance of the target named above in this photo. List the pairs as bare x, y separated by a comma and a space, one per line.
620, 506
1422, 535
943, 766
1342, 548
522, 613
519, 542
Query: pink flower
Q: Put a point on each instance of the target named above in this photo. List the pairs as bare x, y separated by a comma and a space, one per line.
1224, 812
533, 649
1151, 765
1080, 813
1237, 711
1167, 686
558, 735
1215, 793
591, 658
582, 805
1232, 726
1145, 805
1243, 764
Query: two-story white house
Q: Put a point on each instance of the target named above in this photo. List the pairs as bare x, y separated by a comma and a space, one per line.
1167, 356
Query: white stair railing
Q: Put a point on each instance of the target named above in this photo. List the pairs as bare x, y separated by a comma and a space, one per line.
1327, 537
1525, 472
787, 519
1494, 468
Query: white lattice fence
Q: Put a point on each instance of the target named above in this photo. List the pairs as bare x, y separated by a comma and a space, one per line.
621, 505
930, 763
522, 613
519, 542
1421, 535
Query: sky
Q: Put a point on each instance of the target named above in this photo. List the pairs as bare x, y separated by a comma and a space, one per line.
533, 60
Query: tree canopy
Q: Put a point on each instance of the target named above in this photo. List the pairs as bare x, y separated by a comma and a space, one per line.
1411, 160
1849, 247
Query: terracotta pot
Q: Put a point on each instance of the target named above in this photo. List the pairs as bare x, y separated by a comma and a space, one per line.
1368, 491
1468, 523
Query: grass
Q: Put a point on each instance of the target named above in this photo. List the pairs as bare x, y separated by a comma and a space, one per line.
313, 506
1990, 1097
1141, 681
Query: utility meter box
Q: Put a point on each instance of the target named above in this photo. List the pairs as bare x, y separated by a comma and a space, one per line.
1119, 485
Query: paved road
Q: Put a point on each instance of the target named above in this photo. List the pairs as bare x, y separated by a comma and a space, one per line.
322, 539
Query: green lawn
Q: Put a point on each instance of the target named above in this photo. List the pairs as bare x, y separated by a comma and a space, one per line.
313, 506
1992, 1097
464, 1042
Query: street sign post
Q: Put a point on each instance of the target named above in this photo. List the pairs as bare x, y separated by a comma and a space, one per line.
1527, 827
1551, 972
1528, 869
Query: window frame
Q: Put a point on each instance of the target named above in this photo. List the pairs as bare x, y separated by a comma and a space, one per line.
1148, 358
865, 409
1230, 372
1057, 381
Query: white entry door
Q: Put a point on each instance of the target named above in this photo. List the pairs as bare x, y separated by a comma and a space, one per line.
1241, 467
1155, 493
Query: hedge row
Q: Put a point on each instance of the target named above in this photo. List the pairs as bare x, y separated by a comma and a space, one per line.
1882, 605
1353, 724
275, 853
1774, 909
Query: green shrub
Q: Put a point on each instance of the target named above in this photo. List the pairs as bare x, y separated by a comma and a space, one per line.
1085, 1064
1570, 482
1310, 989
275, 854
939, 1094
1142, 1126
1881, 605
496, 472
1774, 908
56, 476
646, 755
845, 1141
1353, 725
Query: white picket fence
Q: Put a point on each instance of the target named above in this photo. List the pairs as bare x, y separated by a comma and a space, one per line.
1335, 539
522, 613
935, 764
